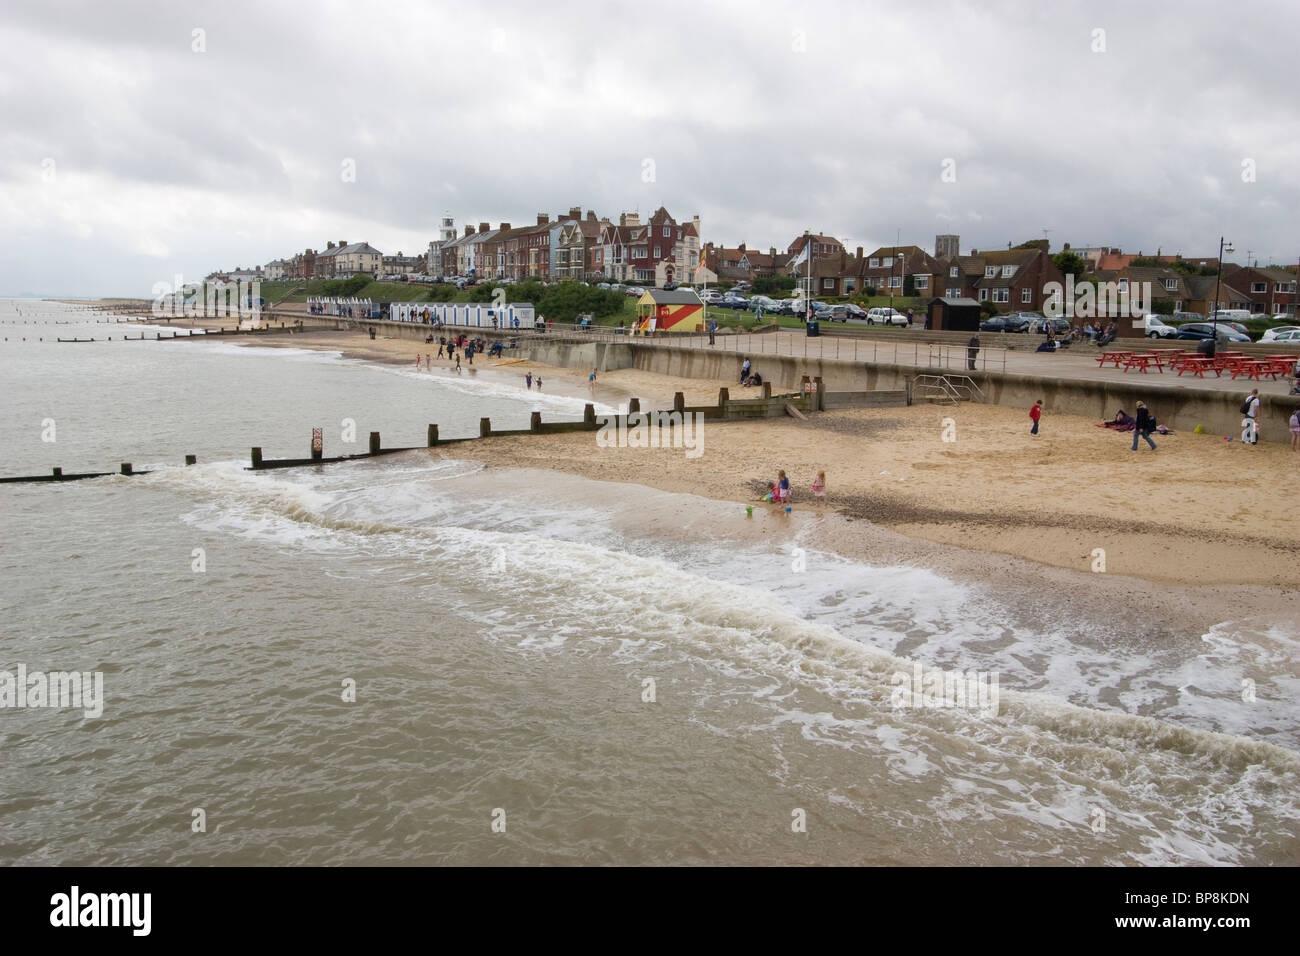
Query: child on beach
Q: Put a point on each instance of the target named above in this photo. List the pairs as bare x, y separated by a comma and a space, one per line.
819, 488
782, 488
428, 362
1036, 413
417, 360
591, 381
539, 383
528, 381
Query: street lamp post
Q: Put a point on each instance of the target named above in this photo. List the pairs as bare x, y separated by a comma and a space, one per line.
1218, 276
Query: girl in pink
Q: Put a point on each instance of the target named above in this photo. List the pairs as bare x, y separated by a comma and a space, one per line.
819, 487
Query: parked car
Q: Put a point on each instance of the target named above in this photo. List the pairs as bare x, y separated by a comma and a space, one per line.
711, 297
669, 286
633, 292
1059, 327
763, 302
733, 301
998, 323
1155, 328
885, 316
1021, 321
1180, 317
1204, 330
1229, 315
1288, 337
1275, 334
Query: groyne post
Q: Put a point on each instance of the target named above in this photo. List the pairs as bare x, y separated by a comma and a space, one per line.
126, 468
589, 415
257, 457
58, 474
679, 402
374, 443
191, 459
433, 435
633, 406
535, 422
484, 428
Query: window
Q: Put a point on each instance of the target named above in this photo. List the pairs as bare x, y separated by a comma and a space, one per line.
1026, 295
984, 295
828, 283
1259, 287
990, 271
921, 282
1001, 295
1171, 285
667, 232
1279, 287
1008, 271
679, 234
1122, 285
849, 285
656, 252
952, 273
894, 282
874, 263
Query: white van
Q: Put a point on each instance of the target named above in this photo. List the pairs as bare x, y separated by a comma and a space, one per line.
1230, 315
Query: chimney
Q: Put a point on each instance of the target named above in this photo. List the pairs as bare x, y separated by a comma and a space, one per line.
342, 243
575, 212
469, 230
741, 248
484, 227
329, 244
591, 214
859, 252
622, 219
505, 226
542, 219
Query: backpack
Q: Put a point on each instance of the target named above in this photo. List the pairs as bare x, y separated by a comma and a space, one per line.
1245, 406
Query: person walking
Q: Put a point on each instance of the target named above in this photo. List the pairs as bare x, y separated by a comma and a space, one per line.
1146, 423
1036, 413
713, 328
1250, 408
1295, 430
972, 350
744, 370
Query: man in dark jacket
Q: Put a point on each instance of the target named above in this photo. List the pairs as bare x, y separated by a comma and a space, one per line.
972, 349
1145, 425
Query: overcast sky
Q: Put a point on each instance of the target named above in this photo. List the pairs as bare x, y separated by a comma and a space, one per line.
133, 148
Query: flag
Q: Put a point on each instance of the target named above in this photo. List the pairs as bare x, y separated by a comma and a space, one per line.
701, 267
803, 256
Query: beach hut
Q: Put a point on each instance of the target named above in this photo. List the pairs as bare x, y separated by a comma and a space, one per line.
679, 309
954, 315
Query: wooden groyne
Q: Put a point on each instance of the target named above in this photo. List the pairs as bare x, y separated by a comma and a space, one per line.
811, 398
57, 474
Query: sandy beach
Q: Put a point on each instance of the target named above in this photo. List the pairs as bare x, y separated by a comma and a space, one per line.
1200, 511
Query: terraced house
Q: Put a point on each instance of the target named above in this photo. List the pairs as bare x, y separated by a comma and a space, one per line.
571, 250
660, 251
894, 270
1268, 290
1013, 280
821, 256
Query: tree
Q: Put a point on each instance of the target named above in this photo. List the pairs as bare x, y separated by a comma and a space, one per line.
1070, 263
987, 308
909, 286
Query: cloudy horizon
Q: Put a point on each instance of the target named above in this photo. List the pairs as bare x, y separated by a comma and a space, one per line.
145, 140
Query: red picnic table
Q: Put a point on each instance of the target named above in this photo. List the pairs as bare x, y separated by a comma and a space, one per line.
1198, 365
1112, 358
1144, 362
1255, 370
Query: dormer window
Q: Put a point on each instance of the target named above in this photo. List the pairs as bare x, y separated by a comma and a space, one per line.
990, 272
952, 273
874, 263
1008, 271
1171, 285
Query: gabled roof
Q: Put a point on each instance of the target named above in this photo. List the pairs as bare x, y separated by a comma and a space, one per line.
673, 297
